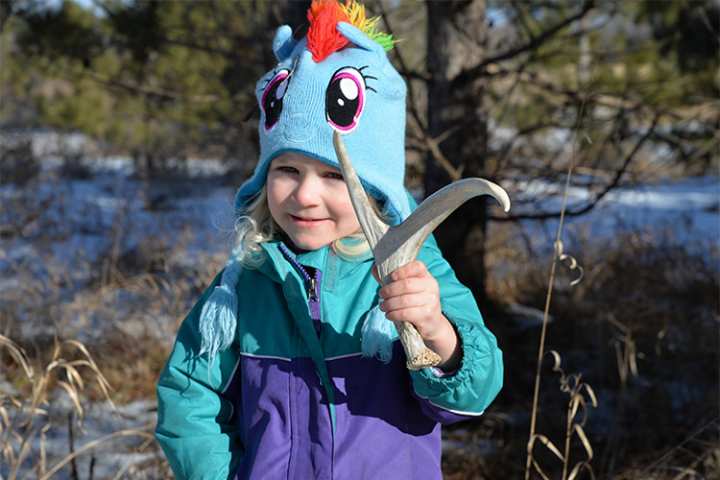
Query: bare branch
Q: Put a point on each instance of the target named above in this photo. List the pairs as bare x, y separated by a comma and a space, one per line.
467, 76
507, 148
426, 143
192, 45
705, 111
613, 184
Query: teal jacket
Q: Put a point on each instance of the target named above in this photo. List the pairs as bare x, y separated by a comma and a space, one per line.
294, 398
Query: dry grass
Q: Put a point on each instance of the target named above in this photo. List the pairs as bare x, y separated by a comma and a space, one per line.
641, 328
132, 318
697, 457
23, 412
126, 369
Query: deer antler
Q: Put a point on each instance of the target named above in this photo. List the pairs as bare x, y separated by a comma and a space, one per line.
396, 246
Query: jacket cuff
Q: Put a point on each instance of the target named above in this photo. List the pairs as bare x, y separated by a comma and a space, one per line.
439, 372
440, 382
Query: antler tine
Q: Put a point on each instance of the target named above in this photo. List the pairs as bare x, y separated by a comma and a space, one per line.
373, 227
408, 237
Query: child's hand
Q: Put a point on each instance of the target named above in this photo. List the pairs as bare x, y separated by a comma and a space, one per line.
413, 296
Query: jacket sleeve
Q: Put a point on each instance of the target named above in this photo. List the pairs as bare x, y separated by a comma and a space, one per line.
197, 424
468, 391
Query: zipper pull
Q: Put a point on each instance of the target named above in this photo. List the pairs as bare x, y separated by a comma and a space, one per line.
312, 294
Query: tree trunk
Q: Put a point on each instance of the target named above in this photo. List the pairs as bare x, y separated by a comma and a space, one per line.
6, 11
457, 33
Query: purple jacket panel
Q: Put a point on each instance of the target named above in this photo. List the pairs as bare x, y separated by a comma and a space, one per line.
381, 430
284, 422
283, 400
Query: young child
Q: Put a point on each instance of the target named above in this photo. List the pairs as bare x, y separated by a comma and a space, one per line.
288, 366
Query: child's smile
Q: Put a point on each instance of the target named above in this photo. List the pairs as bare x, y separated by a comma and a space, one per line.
309, 200
307, 222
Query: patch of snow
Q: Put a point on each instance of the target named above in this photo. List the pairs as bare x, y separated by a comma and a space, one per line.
77, 226
45, 142
683, 212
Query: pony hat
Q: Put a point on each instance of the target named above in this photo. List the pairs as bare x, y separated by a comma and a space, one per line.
336, 78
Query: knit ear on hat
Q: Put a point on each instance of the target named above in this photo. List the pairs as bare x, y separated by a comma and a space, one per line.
283, 43
355, 36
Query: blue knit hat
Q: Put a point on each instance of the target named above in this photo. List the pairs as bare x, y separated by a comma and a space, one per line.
336, 78
356, 91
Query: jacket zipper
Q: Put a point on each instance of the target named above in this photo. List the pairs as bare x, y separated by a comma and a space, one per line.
313, 293
312, 290
311, 285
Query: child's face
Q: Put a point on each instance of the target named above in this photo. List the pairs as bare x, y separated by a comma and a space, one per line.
309, 200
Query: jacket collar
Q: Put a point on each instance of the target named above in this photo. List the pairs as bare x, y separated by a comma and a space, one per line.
277, 267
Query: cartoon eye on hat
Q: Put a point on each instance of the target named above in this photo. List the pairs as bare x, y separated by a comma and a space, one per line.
272, 99
345, 99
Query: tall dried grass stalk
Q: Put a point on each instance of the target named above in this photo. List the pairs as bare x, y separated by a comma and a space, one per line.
569, 384
626, 359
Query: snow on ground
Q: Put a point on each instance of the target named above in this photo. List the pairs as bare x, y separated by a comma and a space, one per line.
677, 212
84, 217
69, 227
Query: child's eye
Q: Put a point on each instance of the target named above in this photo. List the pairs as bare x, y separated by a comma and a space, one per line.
287, 169
335, 176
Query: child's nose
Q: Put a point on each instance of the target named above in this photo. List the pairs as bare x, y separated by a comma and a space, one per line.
307, 191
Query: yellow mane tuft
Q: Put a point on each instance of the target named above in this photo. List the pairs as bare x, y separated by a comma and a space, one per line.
356, 14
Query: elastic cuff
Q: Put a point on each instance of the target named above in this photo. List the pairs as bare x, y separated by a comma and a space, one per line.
439, 372
474, 349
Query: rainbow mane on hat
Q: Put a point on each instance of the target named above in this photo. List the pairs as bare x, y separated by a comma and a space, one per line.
323, 36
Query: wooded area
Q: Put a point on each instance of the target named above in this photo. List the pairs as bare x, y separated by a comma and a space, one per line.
519, 93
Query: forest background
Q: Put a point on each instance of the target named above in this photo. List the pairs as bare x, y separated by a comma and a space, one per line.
124, 122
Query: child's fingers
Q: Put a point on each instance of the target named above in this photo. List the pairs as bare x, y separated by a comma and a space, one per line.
417, 316
416, 268
408, 301
403, 287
